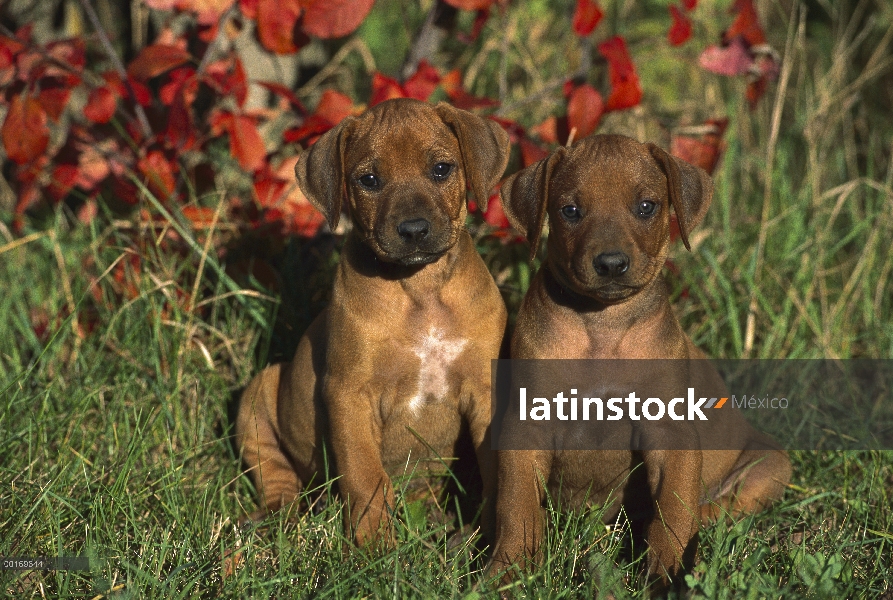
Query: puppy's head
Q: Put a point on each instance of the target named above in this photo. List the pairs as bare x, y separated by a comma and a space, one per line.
403, 166
608, 202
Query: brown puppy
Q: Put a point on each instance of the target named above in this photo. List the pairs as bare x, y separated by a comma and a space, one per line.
600, 295
399, 362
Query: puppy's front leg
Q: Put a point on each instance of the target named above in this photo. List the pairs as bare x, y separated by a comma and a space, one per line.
364, 485
674, 478
478, 418
519, 513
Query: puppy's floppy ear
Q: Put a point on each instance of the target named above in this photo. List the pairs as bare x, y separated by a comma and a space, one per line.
320, 171
690, 190
525, 197
484, 146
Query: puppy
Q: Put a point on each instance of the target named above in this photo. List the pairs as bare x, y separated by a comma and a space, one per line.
399, 363
600, 295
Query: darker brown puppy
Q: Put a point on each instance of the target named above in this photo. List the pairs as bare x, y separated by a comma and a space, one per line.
399, 362
600, 295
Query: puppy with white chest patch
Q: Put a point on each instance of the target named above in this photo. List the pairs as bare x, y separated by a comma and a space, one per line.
600, 295
399, 364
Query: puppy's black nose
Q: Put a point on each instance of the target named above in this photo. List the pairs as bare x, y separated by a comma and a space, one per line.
414, 230
611, 264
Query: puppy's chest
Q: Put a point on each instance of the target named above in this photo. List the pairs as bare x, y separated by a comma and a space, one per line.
434, 374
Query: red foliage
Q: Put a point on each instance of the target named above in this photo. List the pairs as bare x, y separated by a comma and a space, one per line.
334, 18
420, 85
245, 142
746, 24
471, 4
25, 133
587, 16
333, 107
452, 85
480, 19
60, 154
625, 89
101, 105
584, 110
156, 59
704, 150
731, 59
743, 51
276, 24
680, 30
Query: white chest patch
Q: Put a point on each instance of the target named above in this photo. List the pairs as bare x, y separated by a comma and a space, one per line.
436, 353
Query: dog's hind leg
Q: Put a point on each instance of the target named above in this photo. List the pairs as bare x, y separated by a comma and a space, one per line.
757, 480
257, 436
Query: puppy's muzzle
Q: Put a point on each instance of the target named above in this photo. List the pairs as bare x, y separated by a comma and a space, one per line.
611, 264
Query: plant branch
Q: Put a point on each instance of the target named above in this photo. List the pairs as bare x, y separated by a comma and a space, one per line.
116, 62
441, 20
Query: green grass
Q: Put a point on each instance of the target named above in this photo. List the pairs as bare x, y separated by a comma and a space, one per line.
115, 441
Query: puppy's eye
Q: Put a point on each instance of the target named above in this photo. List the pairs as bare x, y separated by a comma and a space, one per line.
441, 171
646, 208
571, 213
369, 181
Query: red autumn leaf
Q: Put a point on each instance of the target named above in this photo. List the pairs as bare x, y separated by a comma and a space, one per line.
182, 79
93, 167
385, 88
452, 85
689, 4
277, 192
7, 63
755, 90
249, 8
284, 92
586, 17
158, 173
207, 11
730, 60
25, 133
156, 59
334, 18
334, 107
495, 215
54, 100
423, 82
64, 59
547, 130
276, 23
625, 89
180, 134
161, 4
746, 24
702, 150
228, 78
62, 180
246, 144
680, 30
200, 217
584, 110
471, 4
101, 105
531, 152
480, 19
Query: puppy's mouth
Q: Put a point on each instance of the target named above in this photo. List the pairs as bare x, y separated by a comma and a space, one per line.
604, 290
613, 292
419, 258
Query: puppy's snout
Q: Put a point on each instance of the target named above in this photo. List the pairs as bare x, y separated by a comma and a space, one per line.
413, 230
611, 264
